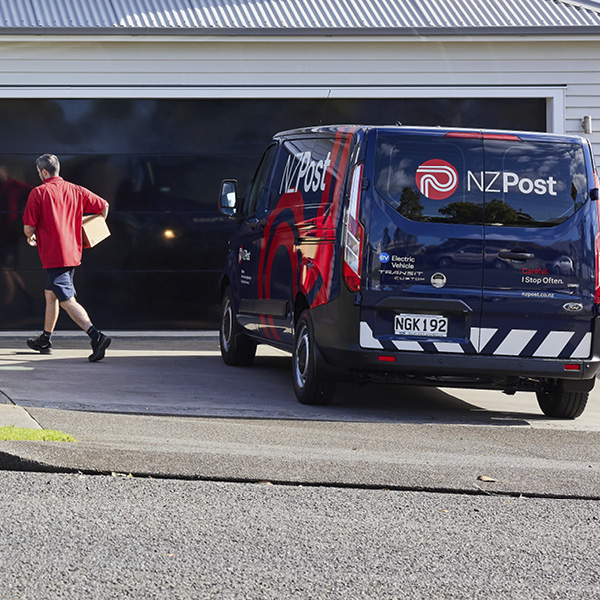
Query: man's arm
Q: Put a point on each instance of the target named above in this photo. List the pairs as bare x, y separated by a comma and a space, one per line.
91, 202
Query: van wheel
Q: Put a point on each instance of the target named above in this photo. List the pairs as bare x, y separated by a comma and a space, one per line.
559, 403
237, 349
310, 386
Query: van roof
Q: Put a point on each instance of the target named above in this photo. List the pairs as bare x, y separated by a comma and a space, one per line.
328, 130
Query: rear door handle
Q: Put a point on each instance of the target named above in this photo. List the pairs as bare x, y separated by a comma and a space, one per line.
520, 256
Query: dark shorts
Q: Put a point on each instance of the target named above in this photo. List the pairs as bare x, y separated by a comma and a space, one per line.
60, 281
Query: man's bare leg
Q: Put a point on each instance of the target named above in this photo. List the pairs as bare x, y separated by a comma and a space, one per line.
100, 342
77, 313
42, 344
52, 309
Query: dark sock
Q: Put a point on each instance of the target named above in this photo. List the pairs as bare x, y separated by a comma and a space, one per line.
45, 337
93, 333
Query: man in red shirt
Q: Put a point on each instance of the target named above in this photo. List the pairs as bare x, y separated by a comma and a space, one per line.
52, 222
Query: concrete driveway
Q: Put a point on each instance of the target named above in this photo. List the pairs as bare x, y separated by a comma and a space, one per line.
185, 376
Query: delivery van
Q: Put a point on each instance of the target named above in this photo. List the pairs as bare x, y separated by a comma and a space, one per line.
444, 257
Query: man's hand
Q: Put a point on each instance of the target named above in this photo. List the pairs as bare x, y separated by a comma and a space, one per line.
30, 235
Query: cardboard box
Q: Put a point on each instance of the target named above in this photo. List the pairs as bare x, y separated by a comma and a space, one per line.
94, 230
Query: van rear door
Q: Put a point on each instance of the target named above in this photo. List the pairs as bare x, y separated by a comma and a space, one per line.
539, 244
425, 236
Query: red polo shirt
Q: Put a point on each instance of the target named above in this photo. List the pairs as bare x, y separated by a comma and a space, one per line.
56, 210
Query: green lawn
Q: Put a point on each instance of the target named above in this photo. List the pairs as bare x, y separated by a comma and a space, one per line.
36, 435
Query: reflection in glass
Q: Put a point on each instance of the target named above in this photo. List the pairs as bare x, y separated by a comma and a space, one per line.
160, 163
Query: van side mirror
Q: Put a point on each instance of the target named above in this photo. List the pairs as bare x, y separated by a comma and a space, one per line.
228, 198
594, 194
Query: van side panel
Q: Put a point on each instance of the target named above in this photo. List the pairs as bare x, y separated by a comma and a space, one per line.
297, 254
328, 224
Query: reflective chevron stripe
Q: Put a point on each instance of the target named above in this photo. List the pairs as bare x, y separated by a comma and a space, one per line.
511, 343
367, 339
585, 347
481, 337
514, 343
554, 343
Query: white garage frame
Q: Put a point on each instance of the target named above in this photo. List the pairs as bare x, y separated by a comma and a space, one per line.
554, 96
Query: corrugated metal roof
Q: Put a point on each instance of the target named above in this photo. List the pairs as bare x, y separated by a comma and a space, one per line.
298, 16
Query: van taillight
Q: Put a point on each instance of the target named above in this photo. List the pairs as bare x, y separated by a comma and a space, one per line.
597, 292
353, 233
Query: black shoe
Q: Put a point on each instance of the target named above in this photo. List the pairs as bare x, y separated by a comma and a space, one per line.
99, 348
39, 346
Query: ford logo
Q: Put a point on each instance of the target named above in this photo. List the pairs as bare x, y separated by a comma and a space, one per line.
573, 307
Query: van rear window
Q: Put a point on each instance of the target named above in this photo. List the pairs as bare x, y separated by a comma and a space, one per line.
512, 183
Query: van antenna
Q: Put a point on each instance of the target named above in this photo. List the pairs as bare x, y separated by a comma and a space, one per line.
324, 108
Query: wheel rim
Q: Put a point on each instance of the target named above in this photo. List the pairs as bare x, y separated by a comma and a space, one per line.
227, 325
301, 356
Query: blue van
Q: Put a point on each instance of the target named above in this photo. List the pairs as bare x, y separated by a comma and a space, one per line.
445, 257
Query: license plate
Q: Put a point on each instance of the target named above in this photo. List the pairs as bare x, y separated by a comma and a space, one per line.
424, 325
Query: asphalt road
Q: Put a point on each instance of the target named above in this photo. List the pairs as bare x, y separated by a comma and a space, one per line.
237, 491
104, 538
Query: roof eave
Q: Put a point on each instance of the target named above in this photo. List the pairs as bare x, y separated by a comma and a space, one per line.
303, 31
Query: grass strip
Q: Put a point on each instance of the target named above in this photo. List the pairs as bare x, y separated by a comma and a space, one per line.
12, 433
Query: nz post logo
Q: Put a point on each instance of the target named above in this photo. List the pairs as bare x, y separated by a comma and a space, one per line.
437, 179
301, 170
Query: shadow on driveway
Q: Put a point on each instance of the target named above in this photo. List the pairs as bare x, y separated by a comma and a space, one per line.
186, 377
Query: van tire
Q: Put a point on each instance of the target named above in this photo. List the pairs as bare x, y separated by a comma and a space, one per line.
309, 384
237, 349
559, 403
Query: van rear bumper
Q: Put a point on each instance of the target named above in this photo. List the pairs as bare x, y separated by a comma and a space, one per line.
343, 358
361, 363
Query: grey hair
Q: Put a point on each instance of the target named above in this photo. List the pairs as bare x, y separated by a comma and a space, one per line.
49, 162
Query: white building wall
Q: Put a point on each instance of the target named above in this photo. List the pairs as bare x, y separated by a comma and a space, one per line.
564, 70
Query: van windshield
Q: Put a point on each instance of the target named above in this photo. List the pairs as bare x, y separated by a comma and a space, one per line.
451, 180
